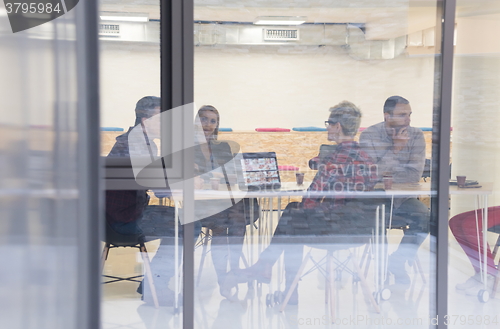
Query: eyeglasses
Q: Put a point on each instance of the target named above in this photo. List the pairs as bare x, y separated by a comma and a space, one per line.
328, 123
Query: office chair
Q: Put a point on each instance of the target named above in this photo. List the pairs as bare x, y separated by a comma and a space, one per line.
398, 223
427, 170
495, 229
114, 239
350, 234
205, 235
330, 266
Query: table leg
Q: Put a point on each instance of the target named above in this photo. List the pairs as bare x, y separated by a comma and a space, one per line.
377, 250
270, 222
176, 258
384, 250
485, 243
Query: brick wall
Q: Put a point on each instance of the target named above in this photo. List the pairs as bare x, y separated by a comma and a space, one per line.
292, 148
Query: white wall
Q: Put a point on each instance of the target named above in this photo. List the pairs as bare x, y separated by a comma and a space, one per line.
269, 86
128, 72
476, 107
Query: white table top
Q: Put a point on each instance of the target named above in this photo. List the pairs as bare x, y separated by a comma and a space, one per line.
292, 189
486, 188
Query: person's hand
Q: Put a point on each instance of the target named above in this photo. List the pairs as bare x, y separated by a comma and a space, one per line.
400, 139
198, 183
216, 174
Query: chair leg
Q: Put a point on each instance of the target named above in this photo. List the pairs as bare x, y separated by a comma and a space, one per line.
495, 250
327, 279
331, 285
295, 281
495, 284
244, 260
149, 275
494, 255
419, 269
364, 284
203, 254
364, 257
104, 256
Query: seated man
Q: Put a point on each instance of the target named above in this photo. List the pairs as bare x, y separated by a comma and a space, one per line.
128, 212
399, 150
327, 210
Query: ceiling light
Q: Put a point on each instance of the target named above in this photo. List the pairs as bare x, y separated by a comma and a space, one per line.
124, 17
280, 20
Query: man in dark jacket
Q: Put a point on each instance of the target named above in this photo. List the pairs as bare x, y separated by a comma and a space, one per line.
128, 212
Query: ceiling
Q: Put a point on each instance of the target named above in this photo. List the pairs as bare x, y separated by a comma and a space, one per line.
384, 19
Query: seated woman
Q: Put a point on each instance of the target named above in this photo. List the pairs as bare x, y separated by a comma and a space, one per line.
346, 169
228, 226
463, 226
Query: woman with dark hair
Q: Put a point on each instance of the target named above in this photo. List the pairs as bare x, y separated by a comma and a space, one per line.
228, 226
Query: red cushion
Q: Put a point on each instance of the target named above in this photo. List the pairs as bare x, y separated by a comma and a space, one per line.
272, 129
288, 168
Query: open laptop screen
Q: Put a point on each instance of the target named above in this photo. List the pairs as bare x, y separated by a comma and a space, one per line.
260, 170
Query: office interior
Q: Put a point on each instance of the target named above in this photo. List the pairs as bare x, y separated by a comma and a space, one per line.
360, 51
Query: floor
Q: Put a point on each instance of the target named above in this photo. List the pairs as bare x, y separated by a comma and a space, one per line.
408, 306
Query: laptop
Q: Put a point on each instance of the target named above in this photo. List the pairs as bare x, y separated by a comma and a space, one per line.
260, 171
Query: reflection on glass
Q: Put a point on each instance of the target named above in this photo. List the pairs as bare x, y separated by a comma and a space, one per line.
325, 211
134, 217
130, 218
226, 227
398, 149
359, 221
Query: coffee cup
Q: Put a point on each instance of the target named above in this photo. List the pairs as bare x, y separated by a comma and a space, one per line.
461, 181
214, 183
232, 179
299, 177
388, 182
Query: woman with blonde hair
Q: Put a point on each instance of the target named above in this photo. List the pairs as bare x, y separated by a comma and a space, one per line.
228, 226
346, 169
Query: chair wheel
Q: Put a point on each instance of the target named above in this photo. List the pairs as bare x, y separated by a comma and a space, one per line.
385, 294
483, 296
278, 297
269, 300
355, 287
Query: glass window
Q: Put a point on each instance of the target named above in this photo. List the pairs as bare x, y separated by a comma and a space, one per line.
472, 268
339, 95
137, 281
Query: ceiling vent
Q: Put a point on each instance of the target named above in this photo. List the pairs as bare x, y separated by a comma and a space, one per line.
110, 30
281, 34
